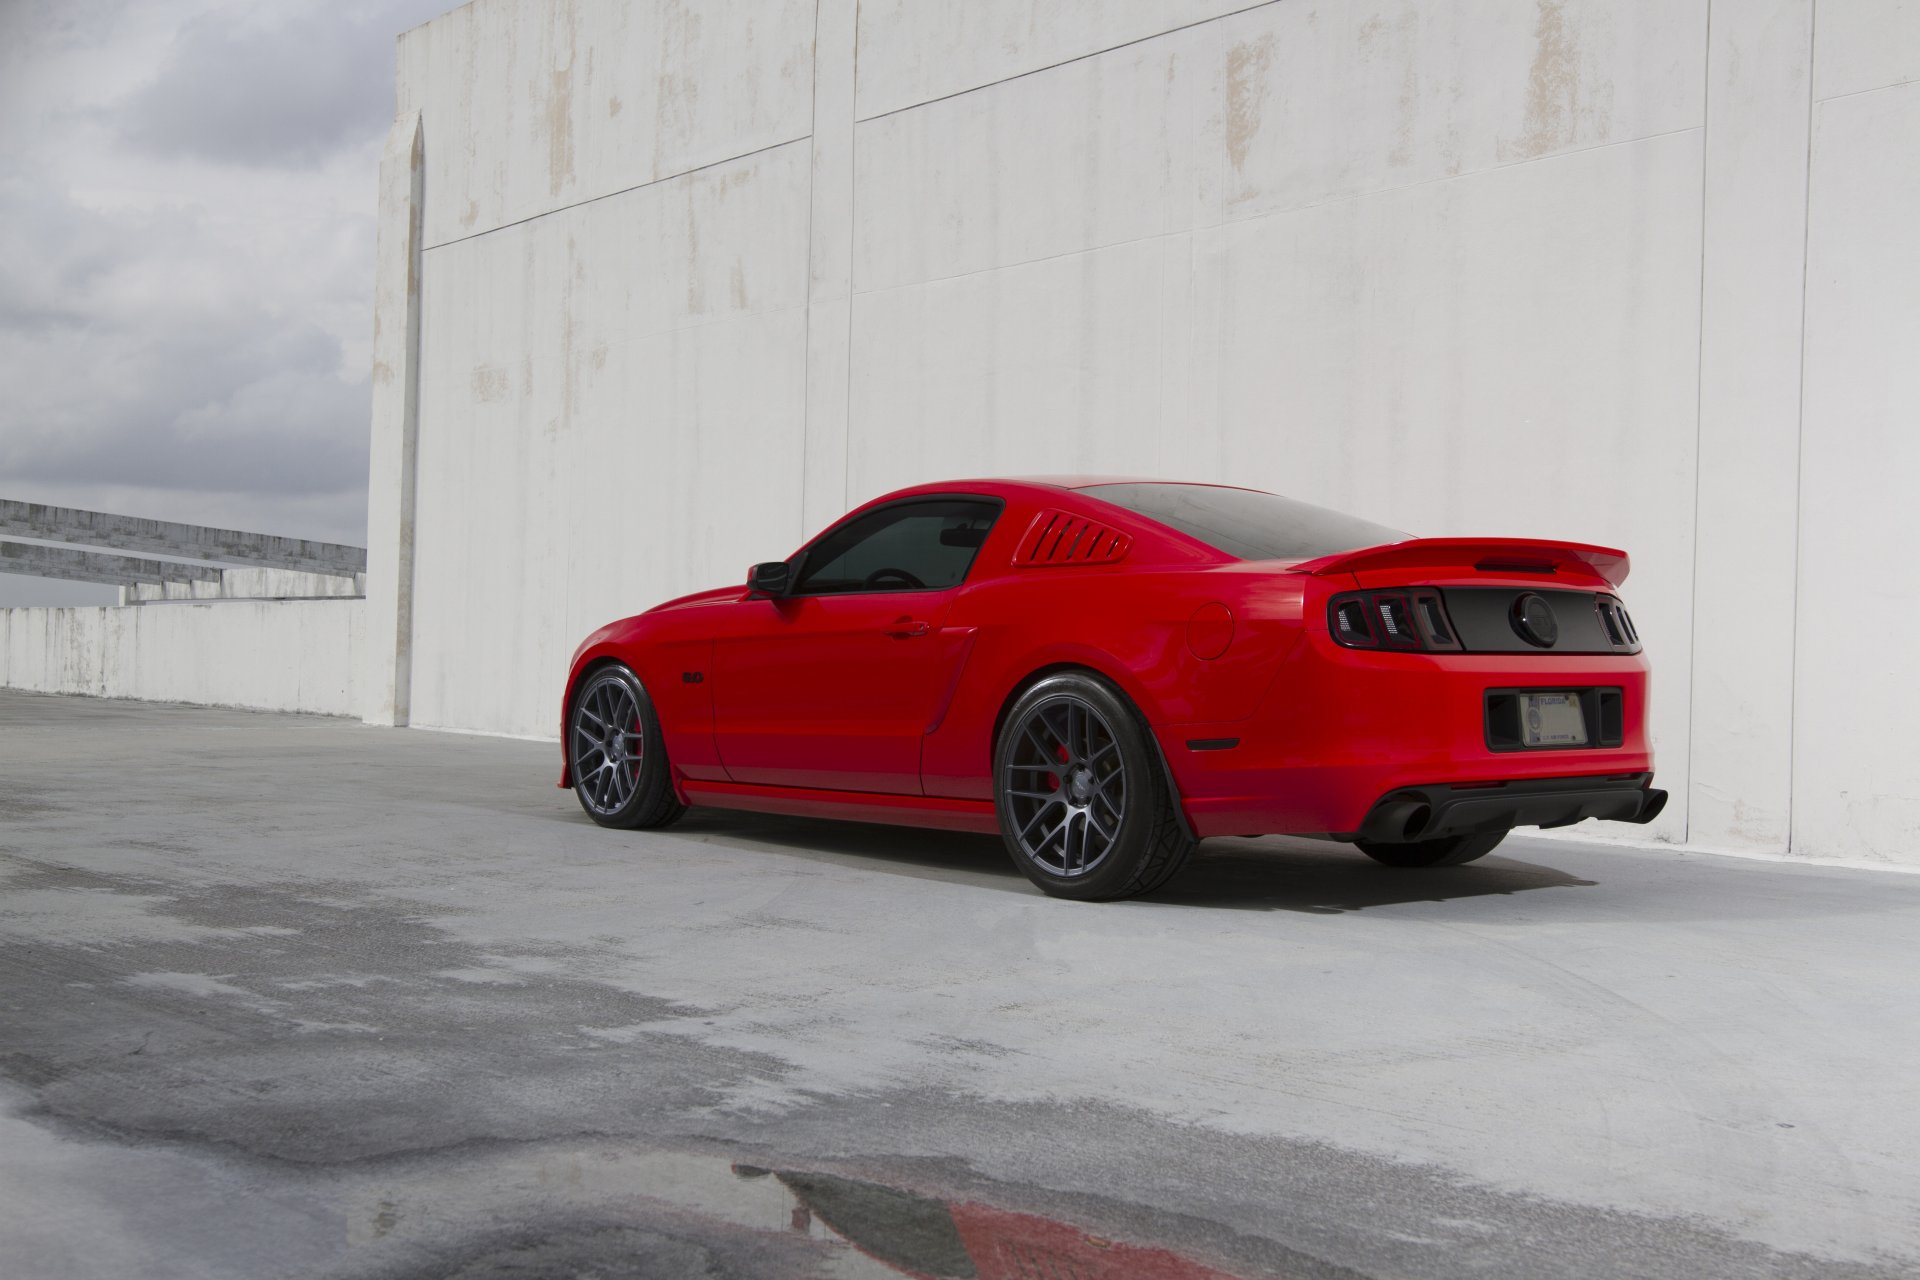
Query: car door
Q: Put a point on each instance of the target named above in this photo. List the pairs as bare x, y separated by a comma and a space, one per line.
832, 684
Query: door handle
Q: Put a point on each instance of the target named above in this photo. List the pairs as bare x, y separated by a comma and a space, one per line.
907, 628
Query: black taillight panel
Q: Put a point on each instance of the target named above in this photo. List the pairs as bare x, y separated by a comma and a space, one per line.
1488, 620
1412, 620
1478, 620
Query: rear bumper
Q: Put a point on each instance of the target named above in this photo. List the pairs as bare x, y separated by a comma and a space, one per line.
1442, 809
1340, 732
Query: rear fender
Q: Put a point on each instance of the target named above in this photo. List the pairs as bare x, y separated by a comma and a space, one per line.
1069, 657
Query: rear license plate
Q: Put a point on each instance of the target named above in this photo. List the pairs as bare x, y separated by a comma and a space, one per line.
1552, 720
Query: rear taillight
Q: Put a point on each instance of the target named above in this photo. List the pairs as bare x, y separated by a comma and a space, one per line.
1412, 619
1617, 623
1349, 619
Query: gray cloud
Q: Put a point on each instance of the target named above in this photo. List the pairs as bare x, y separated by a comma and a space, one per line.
278, 85
138, 351
58, 22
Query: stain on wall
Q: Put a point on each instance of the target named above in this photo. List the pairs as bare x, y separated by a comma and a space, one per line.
1247, 67
1560, 98
491, 383
559, 101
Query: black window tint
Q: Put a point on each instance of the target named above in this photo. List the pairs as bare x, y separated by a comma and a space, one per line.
1246, 523
909, 547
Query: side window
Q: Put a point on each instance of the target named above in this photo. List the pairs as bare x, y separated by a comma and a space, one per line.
913, 546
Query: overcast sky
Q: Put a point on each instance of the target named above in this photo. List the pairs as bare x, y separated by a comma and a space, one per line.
187, 194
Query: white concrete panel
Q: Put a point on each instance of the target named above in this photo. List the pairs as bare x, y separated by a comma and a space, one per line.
280, 655
1517, 347
414, 57
1856, 756
533, 107
1751, 309
693, 477
1097, 152
1277, 108
677, 475
1866, 44
1329, 98
605, 394
1052, 366
913, 52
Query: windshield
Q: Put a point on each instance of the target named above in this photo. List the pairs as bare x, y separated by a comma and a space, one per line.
1247, 523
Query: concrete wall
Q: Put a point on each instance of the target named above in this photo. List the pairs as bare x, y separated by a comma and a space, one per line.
692, 278
1856, 757
271, 655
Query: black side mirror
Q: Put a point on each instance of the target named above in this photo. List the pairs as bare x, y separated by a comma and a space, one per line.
769, 579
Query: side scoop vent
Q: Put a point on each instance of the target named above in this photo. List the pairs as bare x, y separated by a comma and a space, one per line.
1057, 538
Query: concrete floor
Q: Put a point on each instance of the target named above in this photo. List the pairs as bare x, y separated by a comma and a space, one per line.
286, 996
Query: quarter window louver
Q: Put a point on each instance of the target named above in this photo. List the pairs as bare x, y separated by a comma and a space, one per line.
1058, 538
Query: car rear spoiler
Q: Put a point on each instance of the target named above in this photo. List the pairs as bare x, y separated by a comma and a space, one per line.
1478, 555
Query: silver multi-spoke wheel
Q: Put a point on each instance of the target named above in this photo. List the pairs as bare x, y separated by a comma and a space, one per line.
616, 753
608, 745
1066, 786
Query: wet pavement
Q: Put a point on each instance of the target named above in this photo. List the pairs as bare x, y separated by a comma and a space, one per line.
287, 996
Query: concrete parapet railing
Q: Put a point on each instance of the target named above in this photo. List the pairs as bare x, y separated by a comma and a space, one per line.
141, 580
186, 562
184, 541
36, 561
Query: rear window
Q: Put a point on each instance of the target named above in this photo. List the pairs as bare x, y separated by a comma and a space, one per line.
1246, 523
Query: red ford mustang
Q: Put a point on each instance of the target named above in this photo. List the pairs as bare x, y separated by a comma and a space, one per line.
1106, 671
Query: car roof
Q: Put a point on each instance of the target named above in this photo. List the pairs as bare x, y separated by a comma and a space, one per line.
1004, 485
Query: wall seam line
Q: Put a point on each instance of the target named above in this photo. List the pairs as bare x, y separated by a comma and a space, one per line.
1699, 432
1051, 66
853, 220
1878, 88
1800, 429
813, 181
638, 186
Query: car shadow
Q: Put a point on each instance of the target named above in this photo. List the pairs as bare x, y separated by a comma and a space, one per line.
1272, 873
923, 854
1322, 877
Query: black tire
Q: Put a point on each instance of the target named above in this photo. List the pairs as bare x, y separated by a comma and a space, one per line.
1075, 772
1448, 851
612, 730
